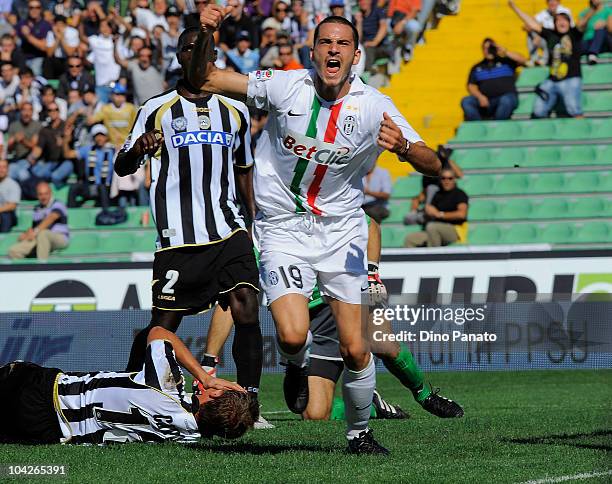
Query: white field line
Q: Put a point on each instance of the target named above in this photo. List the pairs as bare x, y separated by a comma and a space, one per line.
275, 412
575, 477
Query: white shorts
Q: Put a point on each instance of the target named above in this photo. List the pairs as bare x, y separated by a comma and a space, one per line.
301, 251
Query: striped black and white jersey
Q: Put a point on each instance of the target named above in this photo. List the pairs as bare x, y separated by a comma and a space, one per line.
193, 193
149, 406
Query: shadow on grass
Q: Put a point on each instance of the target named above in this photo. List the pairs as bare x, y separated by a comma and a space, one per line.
260, 449
575, 440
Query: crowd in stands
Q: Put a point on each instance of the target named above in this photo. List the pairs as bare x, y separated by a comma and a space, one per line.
554, 39
73, 73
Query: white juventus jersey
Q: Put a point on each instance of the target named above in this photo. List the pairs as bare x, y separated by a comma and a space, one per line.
313, 154
193, 194
149, 406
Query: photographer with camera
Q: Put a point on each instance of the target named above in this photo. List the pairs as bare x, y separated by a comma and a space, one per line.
491, 84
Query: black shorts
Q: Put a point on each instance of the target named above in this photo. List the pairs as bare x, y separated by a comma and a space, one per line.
27, 414
325, 358
193, 279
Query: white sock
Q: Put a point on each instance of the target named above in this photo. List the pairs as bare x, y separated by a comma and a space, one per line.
301, 357
358, 391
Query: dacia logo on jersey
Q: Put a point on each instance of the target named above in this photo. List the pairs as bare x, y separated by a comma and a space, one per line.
202, 138
264, 75
315, 150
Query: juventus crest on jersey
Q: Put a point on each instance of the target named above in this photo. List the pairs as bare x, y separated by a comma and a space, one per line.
148, 406
193, 195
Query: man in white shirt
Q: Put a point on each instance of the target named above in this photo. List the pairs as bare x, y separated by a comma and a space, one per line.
102, 55
62, 42
148, 18
377, 189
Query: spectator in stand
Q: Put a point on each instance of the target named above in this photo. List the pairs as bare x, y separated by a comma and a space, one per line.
404, 24
75, 77
69, 9
94, 168
144, 76
377, 190
62, 42
280, 19
47, 98
147, 18
168, 43
241, 57
10, 53
596, 22
28, 91
9, 81
234, 24
371, 24
103, 57
191, 11
565, 76
302, 31
286, 60
22, 138
117, 117
49, 229
268, 48
33, 34
91, 19
546, 18
447, 210
10, 196
491, 84
48, 155
431, 186
336, 7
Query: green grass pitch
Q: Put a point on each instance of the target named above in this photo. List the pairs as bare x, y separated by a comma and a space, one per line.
519, 426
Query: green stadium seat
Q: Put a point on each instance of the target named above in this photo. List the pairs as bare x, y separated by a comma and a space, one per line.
54, 83
605, 181
519, 234
596, 101
82, 244
477, 184
543, 156
511, 184
603, 153
598, 74
81, 218
472, 158
398, 209
507, 157
582, 182
513, 209
532, 76
114, 242
557, 233
484, 234
394, 236
24, 220
593, 232
407, 186
590, 207
547, 183
482, 209
144, 241
6, 240
549, 208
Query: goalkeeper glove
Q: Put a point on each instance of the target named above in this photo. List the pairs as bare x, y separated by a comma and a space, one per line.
377, 292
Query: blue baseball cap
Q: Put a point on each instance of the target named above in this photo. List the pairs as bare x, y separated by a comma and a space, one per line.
119, 88
336, 3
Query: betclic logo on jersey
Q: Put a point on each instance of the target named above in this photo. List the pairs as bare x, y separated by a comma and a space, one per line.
202, 138
315, 150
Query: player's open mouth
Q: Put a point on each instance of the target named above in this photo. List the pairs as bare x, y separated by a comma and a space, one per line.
332, 66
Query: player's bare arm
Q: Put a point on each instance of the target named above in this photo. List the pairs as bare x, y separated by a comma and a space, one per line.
217, 81
244, 181
423, 159
185, 358
128, 161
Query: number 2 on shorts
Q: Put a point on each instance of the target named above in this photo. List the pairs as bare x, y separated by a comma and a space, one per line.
172, 277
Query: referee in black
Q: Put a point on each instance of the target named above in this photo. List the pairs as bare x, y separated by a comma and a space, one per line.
198, 147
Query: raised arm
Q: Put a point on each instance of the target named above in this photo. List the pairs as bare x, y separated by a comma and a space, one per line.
216, 81
528, 20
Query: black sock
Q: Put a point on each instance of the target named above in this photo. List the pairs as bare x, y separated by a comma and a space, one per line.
139, 350
247, 350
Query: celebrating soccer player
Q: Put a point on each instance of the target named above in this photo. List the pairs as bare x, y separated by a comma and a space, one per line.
325, 131
46, 405
195, 142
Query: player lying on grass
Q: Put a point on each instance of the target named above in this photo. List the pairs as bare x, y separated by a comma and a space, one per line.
46, 405
326, 363
325, 131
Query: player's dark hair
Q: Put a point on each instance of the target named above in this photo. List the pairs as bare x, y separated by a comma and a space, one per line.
228, 416
336, 19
